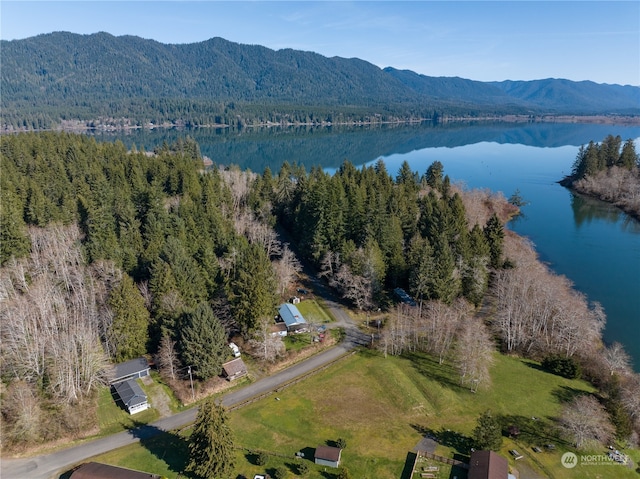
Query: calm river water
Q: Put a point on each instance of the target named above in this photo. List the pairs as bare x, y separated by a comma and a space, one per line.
593, 244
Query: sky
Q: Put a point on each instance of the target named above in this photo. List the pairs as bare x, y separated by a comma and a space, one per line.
477, 40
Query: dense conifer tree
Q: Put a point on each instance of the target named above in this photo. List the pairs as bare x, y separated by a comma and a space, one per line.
253, 288
494, 234
488, 433
211, 444
129, 331
203, 341
629, 158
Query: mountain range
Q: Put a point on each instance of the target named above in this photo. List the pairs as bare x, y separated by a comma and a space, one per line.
64, 76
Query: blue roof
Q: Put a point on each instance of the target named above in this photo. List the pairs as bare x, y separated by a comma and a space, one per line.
290, 315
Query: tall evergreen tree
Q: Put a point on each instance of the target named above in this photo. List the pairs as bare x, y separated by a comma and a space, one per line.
203, 342
433, 176
488, 433
629, 158
129, 332
13, 232
211, 444
253, 288
494, 233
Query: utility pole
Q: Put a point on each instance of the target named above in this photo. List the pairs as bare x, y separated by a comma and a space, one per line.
193, 395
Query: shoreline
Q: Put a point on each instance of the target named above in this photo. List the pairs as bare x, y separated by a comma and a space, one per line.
79, 126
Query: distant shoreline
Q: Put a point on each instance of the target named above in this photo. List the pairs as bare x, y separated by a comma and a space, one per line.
122, 123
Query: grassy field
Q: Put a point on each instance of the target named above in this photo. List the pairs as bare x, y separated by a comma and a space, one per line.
313, 312
383, 407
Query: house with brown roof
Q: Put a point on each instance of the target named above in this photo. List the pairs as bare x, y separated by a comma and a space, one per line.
95, 470
487, 465
328, 456
234, 369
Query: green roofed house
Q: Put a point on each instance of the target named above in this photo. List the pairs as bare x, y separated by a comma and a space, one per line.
95, 470
292, 317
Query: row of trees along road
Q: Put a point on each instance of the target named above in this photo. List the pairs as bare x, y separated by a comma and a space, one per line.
108, 254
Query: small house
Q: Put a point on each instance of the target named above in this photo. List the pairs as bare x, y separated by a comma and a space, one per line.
292, 317
328, 456
488, 465
95, 470
234, 369
132, 396
134, 369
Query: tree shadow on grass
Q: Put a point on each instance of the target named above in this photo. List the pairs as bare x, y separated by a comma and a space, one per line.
565, 394
429, 367
535, 366
459, 442
529, 430
168, 447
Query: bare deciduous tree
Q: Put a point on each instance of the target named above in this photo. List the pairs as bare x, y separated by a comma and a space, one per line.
399, 334
50, 324
474, 353
21, 413
616, 358
441, 324
539, 312
585, 421
239, 183
630, 397
267, 346
287, 268
167, 357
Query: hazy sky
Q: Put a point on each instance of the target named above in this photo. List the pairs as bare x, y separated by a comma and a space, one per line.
504, 40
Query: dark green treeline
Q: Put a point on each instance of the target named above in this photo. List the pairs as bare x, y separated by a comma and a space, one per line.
409, 231
169, 226
156, 217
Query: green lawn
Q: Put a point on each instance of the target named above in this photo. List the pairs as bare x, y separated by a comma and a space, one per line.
314, 312
383, 407
112, 418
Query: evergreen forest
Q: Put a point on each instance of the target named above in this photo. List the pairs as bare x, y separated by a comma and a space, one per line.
109, 253
104, 81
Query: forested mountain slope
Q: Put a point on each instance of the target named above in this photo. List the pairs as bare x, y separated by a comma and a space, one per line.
65, 76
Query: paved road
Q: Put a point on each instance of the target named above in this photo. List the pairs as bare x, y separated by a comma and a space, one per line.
52, 465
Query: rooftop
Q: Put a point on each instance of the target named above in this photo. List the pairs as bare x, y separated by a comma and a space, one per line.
95, 470
129, 368
290, 315
328, 453
130, 393
487, 465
